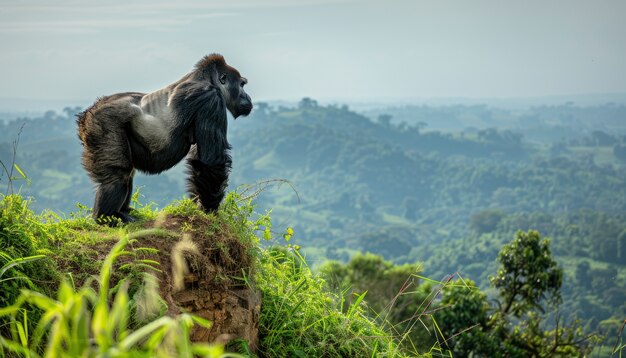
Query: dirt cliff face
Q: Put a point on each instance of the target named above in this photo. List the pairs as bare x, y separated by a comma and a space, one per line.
233, 312
204, 268
207, 270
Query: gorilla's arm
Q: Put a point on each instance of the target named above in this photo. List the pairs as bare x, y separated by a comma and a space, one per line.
209, 159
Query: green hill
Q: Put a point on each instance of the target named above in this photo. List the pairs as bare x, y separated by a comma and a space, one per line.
446, 186
176, 283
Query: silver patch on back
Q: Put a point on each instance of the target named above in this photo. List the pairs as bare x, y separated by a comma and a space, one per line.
156, 122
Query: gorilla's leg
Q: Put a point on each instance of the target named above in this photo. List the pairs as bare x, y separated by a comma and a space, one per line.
107, 158
110, 200
129, 195
208, 182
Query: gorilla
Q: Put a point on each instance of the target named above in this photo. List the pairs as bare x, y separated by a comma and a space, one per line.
152, 132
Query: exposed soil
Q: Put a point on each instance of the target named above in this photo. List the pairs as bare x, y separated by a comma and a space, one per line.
212, 284
202, 269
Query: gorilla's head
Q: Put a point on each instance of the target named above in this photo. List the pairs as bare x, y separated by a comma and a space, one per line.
231, 84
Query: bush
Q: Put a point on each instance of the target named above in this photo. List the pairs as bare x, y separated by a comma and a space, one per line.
299, 319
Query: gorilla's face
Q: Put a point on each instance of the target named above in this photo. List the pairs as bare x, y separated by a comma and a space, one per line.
238, 101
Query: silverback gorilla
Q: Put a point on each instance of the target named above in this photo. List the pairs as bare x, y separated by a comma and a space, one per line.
154, 131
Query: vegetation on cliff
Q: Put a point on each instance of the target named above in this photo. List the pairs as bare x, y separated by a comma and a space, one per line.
72, 288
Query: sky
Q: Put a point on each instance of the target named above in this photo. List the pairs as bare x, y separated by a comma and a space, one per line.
334, 49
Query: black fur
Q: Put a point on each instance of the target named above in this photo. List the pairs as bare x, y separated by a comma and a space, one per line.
209, 165
116, 142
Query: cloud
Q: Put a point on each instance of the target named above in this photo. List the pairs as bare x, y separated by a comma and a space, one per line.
68, 19
342, 48
82, 16
93, 25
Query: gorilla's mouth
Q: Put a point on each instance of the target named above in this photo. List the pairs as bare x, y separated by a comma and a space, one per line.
245, 109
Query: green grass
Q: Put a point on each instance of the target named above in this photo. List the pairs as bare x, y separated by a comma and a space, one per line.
94, 323
68, 302
300, 319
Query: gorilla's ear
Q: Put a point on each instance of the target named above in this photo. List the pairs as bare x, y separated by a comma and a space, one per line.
223, 78
211, 67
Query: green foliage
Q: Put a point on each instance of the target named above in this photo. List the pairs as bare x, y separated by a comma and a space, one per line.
84, 324
183, 207
238, 213
100, 320
382, 280
10, 263
527, 275
22, 239
516, 328
391, 293
299, 319
405, 187
485, 221
464, 319
21, 234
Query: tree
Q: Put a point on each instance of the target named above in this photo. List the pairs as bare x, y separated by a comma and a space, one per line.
71, 112
465, 309
601, 138
527, 274
307, 102
383, 282
582, 274
621, 247
619, 151
515, 327
392, 293
486, 220
419, 126
262, 111
489, 135
385, 120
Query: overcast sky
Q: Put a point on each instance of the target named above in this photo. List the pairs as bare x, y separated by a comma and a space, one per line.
352, 50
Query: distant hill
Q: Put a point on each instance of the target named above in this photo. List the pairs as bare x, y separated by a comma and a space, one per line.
390, 182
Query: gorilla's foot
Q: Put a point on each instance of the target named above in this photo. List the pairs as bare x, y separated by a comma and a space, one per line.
115, 219
126, 217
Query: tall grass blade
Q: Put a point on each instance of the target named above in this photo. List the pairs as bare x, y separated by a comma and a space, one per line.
18, 261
